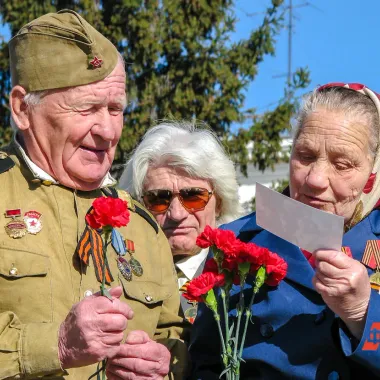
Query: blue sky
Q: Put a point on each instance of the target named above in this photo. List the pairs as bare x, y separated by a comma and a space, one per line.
338, 42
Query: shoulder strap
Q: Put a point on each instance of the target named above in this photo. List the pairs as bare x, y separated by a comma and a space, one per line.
110, 192
6, 162
136, 207
144, 214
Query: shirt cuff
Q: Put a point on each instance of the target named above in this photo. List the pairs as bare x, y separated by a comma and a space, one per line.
39, 349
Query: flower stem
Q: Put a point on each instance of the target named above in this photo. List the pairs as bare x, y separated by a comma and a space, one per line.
259, 281
103, 286
106, 243
224, 354
240, 308
227, 328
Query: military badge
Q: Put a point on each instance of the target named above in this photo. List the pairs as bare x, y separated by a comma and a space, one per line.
371, 258
374, 280
16, 228
191, 312
124, 268
135, 265
33, 222
96, 62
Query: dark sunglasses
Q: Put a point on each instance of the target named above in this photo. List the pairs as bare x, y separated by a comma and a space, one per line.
191, 198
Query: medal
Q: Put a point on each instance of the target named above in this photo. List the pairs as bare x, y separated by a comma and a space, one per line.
118, 243
135, 265
191, 313
16, 228
371, 258
374, 280
33, 222
124, 268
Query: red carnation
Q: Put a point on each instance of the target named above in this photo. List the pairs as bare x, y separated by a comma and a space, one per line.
226, 241
107, 211
230, 263
253, 254
207, 238
202, 284
211, 266
276, 268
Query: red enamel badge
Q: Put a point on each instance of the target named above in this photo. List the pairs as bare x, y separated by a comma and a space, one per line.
96, 62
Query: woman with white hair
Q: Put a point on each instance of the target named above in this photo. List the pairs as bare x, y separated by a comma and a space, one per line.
186, 180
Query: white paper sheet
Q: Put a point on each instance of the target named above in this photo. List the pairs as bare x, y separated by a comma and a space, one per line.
300, 224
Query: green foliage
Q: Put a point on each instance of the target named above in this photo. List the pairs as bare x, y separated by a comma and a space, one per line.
180, 63
278, 185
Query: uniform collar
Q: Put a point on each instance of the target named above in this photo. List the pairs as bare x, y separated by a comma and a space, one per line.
190, 264
41, 175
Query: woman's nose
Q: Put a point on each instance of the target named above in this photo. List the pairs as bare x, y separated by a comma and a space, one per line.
318, 176
176, 211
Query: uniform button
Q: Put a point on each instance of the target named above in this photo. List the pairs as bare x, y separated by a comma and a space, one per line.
88, 293
266, 330
13, 271
47, 182
320, 317
334, 375
148, 298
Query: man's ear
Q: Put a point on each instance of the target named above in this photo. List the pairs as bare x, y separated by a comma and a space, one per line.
19, 109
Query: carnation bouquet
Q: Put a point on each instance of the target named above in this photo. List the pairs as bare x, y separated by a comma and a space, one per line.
232, 262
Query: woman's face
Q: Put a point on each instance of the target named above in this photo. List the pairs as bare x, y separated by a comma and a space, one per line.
330, 162
180, 226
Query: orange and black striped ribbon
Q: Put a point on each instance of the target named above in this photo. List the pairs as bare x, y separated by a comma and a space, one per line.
371, 255
183, 288
347, 251
91, 243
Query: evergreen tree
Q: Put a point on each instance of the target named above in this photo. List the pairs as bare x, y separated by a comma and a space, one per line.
180, 63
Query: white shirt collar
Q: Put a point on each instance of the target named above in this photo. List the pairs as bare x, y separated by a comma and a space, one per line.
190, 264
40, 174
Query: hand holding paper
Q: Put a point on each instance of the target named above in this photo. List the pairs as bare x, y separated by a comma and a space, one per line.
341, 280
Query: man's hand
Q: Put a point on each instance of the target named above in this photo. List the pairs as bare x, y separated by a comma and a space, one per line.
344, 285
140, 358
93, 330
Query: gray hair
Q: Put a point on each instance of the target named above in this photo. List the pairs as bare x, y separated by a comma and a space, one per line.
195, 150
31, 99
352, 102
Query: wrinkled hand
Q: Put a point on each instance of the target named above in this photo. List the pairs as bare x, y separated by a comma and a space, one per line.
93, 330
139, 358
344, 286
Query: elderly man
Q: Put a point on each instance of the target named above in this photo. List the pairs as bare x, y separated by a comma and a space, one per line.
67, 106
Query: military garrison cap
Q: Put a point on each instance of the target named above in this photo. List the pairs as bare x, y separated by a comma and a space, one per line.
60, 50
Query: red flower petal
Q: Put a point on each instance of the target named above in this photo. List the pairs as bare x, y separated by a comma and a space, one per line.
107, 211
202, 284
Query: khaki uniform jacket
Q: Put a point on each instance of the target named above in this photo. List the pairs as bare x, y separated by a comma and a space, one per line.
50, 278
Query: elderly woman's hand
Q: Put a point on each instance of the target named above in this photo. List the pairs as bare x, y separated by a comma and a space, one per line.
344, 286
